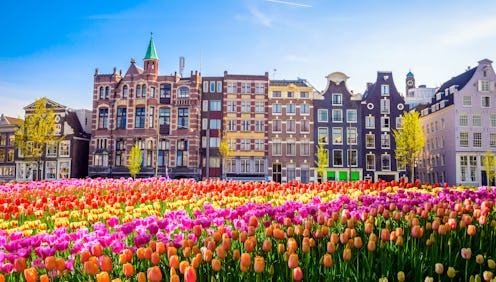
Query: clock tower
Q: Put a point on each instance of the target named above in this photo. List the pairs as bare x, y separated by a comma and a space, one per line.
410, 82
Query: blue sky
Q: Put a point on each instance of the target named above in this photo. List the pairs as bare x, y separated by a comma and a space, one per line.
51, 48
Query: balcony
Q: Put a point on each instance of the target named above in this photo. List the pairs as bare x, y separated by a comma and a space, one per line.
183, 102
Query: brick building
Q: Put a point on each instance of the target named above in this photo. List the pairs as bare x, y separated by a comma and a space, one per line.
8, 154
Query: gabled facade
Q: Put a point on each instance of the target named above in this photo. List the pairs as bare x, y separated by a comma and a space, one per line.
161, 113
337, 126
68, 158
382, 108
8, 153
290, 131
212, 126
460, 126
245, 118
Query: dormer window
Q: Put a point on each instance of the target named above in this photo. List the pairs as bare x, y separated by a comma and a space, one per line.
183, 92
385, 90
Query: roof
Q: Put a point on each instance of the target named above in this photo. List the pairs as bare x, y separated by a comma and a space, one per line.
284, 82
10, 120
409, 74
151, 53
460, 80
134, 69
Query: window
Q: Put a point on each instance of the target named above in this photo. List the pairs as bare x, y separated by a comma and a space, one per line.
337, 157
352, 157
385, 106
369, 122
64, 148
245, 106
276, 108
215, 105
138, 90
182, 152
107, 92
125, 92
476, 120
121, 118
337, 135
291, 125
219, 86
152, 92
245, 145
385, 124
259, 145
231, 143
304, 126
386, 162
467, 100
183, 92
486, 101
290, 173
351, 116
492, 119
385, 141
215, 123
322, 115
10, 155
322, 135
231, 165
370, 141
291, 147
463, 139
259, 107
245, 125
231, 87
214, 162
259, 126
304, 109
290, 109
384, 90
245, 87
337, 99
103, 118
143, 91
259, 165
212, 86
304, 95
164, 116
370, 159
477, 139
2, 156
484, 86
276, 125
304, 148
51, 150
205, 105
399, 122
244, 165
337, 115
276, 147
151, 117
51, 170
100, 96
231, 125
100, 160
3, 139
463, 119
290, 94
276, 94
259, 88
165, 92
182, 118
492, 140
214, 141
231, 106
352, 135
204, 123
139, 121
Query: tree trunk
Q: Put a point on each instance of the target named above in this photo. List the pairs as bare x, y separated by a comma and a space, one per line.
412, 172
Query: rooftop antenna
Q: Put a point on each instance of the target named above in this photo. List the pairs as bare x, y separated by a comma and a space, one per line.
274, 74
181, 66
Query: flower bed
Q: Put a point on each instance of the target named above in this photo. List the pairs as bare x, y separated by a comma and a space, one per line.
181, 230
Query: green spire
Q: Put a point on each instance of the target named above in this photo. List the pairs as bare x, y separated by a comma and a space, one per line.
151, 53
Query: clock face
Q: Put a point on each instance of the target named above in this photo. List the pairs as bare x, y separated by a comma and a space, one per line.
409, 83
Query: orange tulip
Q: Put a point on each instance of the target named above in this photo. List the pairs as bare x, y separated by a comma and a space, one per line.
259, 264
171, 251
50, 263
155, 259
471, 230
160, 248
347, 254
267, 245
245, 260
297, 274
327, 260
140, 253
43, 278
236, 254
148, 253
106, 263
141, 277
128, 269
96, 250
220, 252
19, 264
30, 274
293, 260
175, 278
195, 262
103, 277
216, 265
182, 266
90, 267
154, 274
60, 264
357, 242
207, 255
190, 274
174, 262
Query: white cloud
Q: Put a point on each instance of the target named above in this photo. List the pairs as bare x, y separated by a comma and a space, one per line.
290, 3
470, 32
260, 17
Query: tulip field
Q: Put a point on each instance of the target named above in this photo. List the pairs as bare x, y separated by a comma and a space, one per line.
158, 229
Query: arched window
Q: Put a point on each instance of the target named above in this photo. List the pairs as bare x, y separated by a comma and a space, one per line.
183, 92
138, 90
143, 91
107, 92
125, 91
101, 93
